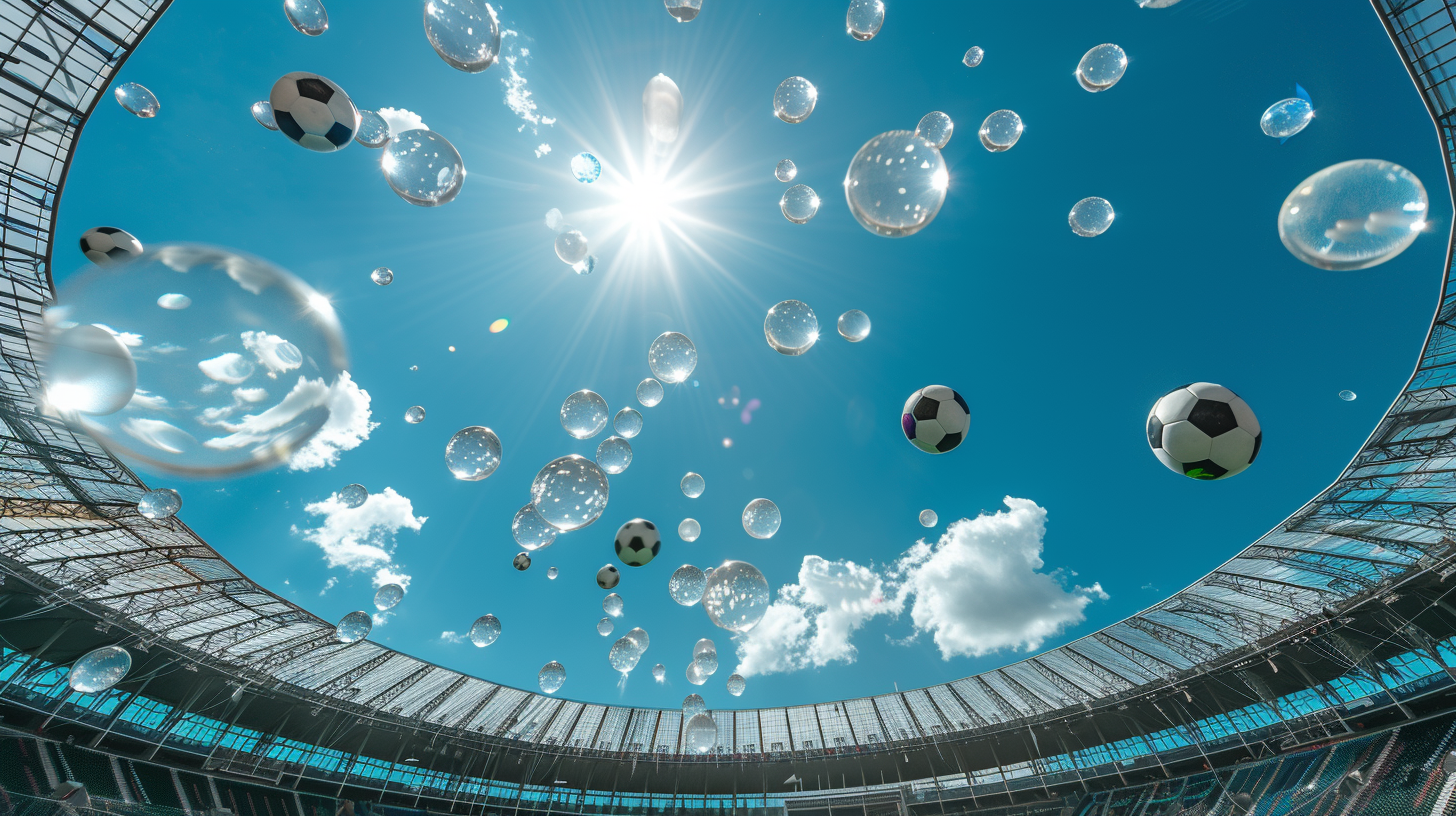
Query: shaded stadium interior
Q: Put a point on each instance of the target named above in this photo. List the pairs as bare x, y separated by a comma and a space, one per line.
1324, 649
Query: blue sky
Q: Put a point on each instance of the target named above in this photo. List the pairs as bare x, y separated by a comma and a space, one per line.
1059, 344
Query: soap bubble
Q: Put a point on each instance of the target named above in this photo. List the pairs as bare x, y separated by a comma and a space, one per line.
736, 597
586, 168
689, 530
707, 664
383, 276
373, 130
895, 184
530, 531
521, 562
612, 605
662, 105
137, 99
704, 646
785, 171
736, 685
928, 518
699, 734
571, 247
465, 33
473, 453
794, 100
99, 669
551, 573
693, 485
1101, 68
864, 18
162, 503
485, 630
415, 414
585, 266
687, 584
791, 328
639, 637
935, 127
421, 166
307, 16
353, 627
799, 203
695, 674
1347, 395
1286, 117
623, 655
1353, 215
761, 518
693, 705
627, 423
973, 56
658, 672
551, 677
683, 10
649, 392
263, 113
605, 626
854, 325
1091, 217
235, 383
353, 495
584, 414
614, 454
672, 357
1000, 131
388, 596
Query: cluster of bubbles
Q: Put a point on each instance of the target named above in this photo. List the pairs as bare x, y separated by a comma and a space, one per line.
704, 663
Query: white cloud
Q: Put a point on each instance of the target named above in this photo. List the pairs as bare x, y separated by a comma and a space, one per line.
448, 636
542, 150
385, 575
228, 368
275, 353
346, 428
162, 435
979, 589
361, 539
128, 339
400, 120
518, 97
328, 585
249, 394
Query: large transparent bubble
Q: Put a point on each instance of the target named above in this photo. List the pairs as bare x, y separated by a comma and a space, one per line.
465, 33
689, 530
794, 99
627, 423
485, 630
570, 492
473, 453
736, 685
736, 597
388, 597
99, 669
799, 203
1091, 217
237, 381
791, 328
422, 167
612, 605
137, 100
263, 113
895, 184
373, 130
854, 325
935, 127
928, 518
1101, 68
649, 392
687, 584
162, 503
614, 455
1286, 117
571, 247
551, 677
353, 627
530, 530
584, 414
864, 18
684, 11
693, 705
307, 16
1353, 215
662, 105
605, 626
1001, 131
353, 495
761, 518
693, 485
672, 357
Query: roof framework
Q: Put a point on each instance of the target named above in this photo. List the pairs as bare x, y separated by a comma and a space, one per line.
70, 534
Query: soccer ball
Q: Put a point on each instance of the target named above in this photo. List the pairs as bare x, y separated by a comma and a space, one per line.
608, 576
314, 112
522, 561
1204, 431
104, 246
638, 542
935, 419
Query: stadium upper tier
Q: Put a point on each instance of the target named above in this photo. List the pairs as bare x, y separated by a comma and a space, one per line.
1347, 580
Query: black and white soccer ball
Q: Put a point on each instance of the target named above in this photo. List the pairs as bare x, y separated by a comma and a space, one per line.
522, 561
935, 419
638, 542
608, 576
314, 112
104, 246
1204, 431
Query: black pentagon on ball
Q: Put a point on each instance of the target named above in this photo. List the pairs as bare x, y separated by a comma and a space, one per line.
948, 442
315, 88
288, 125
1155, 432
107, 230
636, 544
649, 525
926, 408
1258, 440
961, 402
1213, 417
1205, 469
339, 135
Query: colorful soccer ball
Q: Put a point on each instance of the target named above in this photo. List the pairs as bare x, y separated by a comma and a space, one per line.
935, 419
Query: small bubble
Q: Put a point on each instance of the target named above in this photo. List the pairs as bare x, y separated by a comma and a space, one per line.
785, 171
795, 99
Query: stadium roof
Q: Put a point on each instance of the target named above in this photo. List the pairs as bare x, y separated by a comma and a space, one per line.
77, 550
